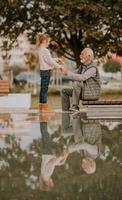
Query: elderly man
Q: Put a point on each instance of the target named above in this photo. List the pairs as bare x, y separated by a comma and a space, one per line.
86, 85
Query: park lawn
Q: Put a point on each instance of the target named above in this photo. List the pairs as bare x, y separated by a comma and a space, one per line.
54, 99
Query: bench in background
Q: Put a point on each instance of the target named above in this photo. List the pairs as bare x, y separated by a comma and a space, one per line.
4, 87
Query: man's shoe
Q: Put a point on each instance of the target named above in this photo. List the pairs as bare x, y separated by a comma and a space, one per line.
74, 108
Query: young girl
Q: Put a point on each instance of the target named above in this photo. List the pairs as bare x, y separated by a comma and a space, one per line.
49, 162
47, 63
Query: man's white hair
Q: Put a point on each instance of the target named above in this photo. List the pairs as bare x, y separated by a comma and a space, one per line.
90, 52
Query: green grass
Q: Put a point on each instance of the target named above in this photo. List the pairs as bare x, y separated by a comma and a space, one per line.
115, 81
54, 100
112, 92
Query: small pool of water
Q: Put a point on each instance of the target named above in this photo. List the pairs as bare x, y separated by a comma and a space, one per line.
60, 156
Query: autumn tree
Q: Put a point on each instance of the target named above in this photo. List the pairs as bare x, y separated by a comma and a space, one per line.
73, 24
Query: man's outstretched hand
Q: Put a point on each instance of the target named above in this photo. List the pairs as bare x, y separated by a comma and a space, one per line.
64, 71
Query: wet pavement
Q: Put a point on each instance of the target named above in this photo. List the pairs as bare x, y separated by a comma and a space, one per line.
60, 156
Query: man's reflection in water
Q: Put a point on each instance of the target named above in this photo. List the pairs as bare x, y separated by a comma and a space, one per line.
49, 160
86, 140
87, 137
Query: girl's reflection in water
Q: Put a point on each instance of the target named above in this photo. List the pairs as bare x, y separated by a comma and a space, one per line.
49, 159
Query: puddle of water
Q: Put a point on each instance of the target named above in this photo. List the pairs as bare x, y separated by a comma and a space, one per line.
60, 156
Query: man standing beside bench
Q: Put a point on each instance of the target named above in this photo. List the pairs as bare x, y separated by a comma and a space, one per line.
86, 85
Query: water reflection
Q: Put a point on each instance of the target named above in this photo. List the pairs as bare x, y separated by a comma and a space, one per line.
49, 159
86, 140
72, 158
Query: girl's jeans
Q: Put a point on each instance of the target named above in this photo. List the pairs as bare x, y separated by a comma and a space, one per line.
45, 80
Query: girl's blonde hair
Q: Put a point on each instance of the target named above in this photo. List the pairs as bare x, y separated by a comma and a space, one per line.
40, 38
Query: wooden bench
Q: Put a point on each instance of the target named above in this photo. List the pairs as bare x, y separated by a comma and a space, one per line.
4, 87
103, 108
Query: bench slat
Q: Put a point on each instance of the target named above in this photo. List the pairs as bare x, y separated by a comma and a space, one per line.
4, 91
2, 84
103, 102
4, 81
6, 88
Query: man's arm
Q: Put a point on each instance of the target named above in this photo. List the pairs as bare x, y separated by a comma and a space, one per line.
81, 77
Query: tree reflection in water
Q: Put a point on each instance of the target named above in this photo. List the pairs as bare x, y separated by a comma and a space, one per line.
66, 147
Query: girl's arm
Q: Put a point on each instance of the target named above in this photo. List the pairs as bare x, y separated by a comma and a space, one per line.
50, 60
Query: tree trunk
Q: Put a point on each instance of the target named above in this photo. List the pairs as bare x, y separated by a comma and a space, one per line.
76, 48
